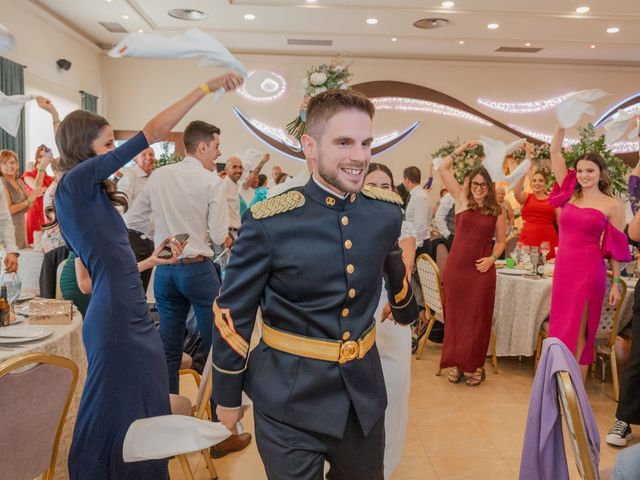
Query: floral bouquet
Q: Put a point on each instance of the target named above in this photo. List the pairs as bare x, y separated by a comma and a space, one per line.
319, 79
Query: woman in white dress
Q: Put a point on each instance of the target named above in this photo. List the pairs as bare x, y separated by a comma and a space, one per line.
394, 343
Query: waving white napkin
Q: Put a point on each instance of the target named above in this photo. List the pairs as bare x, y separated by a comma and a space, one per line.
495, 152
619, 124
10, 108
577, 104
7, 41
190, 44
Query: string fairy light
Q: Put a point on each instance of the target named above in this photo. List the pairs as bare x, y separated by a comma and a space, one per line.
424, 106
524, 107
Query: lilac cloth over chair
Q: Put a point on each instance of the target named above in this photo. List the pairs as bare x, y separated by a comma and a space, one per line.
543, 452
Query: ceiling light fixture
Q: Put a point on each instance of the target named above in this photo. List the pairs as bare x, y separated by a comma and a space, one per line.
524, 107
394, 39
372, 21
274, 84
527, 44
249, 16
126, 17
312, 1
461, 42
592, 46
448, 4
582, 9
188, 14
424, 106
140, 31
493, 26
613, 30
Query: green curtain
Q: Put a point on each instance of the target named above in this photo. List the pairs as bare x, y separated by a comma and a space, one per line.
89, 102
12, 83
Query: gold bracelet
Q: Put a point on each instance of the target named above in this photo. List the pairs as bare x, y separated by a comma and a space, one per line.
205, 88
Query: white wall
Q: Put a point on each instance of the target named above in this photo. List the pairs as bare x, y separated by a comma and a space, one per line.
137, 89
40, 41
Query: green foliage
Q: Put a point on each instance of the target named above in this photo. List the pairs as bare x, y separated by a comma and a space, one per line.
462, 163
167, 158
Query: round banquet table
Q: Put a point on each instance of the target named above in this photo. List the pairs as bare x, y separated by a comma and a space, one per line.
66, 341
521, 306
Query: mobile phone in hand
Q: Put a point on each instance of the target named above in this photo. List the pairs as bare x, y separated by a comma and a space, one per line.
166, 252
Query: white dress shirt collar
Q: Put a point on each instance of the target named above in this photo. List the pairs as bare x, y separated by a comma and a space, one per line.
328, 190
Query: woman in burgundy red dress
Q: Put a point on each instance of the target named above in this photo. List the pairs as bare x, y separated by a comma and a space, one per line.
469, 275
591, 220
538, 215
37, 180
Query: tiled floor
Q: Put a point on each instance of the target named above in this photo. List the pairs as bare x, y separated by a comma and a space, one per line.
455, 432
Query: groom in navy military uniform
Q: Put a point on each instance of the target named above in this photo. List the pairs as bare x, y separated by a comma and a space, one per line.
313, 259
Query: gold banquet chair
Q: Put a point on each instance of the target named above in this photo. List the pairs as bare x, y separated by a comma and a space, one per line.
181, 405
605, 336
570, 408
431, 286
35, 393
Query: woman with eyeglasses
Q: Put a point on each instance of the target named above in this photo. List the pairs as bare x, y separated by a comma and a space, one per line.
469, 276
538, 216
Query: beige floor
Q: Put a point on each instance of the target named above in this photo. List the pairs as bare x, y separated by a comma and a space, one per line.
455, 432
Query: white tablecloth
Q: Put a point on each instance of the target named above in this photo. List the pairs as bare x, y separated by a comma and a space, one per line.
66, 341
521, 306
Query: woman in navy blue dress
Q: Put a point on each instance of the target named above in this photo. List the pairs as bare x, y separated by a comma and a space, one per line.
127, 373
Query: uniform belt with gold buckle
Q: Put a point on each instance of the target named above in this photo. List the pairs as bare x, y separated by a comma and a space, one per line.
318, 348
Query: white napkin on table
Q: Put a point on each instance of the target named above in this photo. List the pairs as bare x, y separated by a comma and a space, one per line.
190, 44
577, 104
7, 40
10, 108
619, 123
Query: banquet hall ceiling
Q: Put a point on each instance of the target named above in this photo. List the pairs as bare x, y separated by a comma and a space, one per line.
550, 25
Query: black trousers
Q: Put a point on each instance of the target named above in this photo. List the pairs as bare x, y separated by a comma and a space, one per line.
142, 248
629, 403
289, 453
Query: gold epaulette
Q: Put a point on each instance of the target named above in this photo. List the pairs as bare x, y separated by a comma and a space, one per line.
277, 205
381, 194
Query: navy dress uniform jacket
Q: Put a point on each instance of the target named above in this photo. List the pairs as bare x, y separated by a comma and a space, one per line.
315, 270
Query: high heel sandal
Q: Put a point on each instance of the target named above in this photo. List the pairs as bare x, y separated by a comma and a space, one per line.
454, 375
476, 377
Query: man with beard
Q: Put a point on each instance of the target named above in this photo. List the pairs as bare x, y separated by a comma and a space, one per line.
234, 170
313, 260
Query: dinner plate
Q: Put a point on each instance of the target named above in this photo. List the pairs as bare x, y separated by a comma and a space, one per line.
23, 333
25, 296
513, 271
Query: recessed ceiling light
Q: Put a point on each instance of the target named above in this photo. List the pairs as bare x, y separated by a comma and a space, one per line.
141, 31
126, 17
582, 9
461, 42
448, 4
187, 14
592, 46
249, 16
108, 1
312, 1
493, 26
613, 30
372, 21
527, 44
394, 39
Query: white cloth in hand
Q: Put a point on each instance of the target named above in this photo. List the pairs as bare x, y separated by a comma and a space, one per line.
619, 123
10, 109
495, 152
7, 40
577, 104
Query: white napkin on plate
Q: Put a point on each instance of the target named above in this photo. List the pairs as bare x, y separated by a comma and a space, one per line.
619, 123
7, 40
190, 44
10, 108
577, 104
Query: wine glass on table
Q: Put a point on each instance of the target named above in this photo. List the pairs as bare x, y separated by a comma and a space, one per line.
14, 287
545, 248
526, 254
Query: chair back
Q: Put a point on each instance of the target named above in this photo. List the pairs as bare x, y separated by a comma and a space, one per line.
430, 283
608, 326
572, 414
35, 393
205, 389
58, 275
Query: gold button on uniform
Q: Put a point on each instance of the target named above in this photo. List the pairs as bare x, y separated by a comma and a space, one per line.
348, 244
352, 293
345, 220
330, 201
346, 336
345, 312
351, 268
352, 197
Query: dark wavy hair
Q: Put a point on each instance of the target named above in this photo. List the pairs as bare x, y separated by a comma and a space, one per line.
373, 167
74, 137
490, 204
604, 184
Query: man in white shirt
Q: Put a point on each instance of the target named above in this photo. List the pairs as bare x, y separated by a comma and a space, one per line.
131, 183
444, 219
234, 171
418, 210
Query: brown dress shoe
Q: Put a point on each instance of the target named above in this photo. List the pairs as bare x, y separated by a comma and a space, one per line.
235, 443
